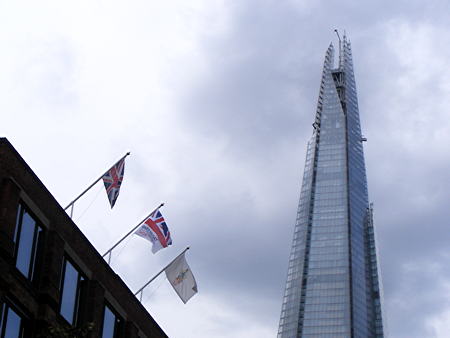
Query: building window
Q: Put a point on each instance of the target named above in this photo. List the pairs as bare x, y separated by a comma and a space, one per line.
70, 291
28, 239
12, 322
112, 323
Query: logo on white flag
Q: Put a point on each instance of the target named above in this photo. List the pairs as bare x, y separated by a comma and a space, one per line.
181, 278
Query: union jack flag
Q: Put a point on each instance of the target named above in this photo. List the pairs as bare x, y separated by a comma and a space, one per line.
113, 179
156, 231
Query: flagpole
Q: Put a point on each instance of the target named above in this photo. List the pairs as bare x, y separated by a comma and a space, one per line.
87, 189
129, 233
162, 270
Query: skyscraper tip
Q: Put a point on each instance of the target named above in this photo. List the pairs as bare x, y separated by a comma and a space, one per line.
337, 33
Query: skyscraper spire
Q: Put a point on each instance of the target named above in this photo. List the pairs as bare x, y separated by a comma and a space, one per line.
332, 282
341, 60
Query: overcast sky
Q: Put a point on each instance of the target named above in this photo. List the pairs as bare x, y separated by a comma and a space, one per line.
215, 101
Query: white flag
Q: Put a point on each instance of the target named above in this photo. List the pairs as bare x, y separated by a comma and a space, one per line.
180, 276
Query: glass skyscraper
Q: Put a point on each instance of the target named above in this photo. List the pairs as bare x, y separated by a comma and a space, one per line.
332, 288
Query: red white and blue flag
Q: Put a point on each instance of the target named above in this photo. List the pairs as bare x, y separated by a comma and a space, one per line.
156, 231
113, 179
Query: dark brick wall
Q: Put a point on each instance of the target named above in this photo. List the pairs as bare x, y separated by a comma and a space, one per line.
90, 312
9, 198
50, 272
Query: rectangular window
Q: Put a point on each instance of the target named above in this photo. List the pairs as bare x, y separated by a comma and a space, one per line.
112, 323
12, 322
70, 291
28, 240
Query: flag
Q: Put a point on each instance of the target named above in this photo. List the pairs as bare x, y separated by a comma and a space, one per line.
156, 231
113, 179
180, 276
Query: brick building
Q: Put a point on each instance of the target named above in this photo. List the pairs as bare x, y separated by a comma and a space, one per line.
50, 274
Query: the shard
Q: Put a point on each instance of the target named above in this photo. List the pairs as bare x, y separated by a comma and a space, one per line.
332, 287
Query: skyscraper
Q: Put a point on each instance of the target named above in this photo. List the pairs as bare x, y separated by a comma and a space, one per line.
332, 287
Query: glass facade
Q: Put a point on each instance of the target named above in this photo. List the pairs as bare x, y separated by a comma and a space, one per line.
332, 282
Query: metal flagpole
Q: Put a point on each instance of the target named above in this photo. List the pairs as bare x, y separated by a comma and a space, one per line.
128, 234
98, 179
162, 270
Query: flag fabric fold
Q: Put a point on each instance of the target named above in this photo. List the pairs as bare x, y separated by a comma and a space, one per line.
113, 179
156, 231
180, 276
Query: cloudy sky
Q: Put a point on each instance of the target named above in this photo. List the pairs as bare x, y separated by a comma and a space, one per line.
215, 101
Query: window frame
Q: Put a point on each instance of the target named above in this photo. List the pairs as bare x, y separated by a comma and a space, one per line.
5, 308
34, 258
118, 321
81, 278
